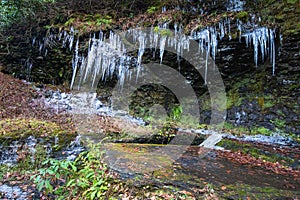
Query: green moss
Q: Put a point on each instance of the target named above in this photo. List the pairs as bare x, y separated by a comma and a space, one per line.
87, 22
292, 1
166, 32
152, 9
279, 123
263, 131
163, 31
243, 16
16, 129
236, 130
284, 13
244, 191
269, 103
233, 98
70, 22
255, 152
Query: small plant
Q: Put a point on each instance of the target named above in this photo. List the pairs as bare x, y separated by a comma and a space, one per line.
86, 177
152, 9
263, 131
176, 113
243, 16
163, 31
168, 130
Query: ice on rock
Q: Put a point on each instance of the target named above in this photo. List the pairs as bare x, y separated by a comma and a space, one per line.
263, 41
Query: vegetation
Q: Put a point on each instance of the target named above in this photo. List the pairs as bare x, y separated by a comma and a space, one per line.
168, 131
256, 152
152, 9
22, 10
86, 177
282, 13
20, 129
243, 16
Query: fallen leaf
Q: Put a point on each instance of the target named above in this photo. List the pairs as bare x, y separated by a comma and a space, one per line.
223, 187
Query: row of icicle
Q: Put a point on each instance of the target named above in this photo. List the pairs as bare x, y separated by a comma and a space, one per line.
108, 56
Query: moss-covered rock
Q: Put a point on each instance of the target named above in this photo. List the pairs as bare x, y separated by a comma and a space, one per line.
20, 129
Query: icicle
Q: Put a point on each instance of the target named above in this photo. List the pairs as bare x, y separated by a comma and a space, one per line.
75, 63
33, 41
41, 46
206, 67
155, 41
272, 50
71, 40
176, 28
222, 31
247, 40
162, 47
142, 44
46, 52
90, 59
262, 37
255, 46
56, 139
214, 42
65, 39
239, 27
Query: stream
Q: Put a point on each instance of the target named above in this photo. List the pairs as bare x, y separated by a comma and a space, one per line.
113, 89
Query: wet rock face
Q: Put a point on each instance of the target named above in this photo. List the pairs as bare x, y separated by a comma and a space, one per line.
147, 96
257, 97
269, 101
53, 69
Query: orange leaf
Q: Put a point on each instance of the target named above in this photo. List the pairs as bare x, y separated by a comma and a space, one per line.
223, 187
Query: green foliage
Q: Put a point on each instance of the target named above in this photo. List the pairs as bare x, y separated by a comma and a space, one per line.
175, 114
263, 131
269, 103
152, 9
84, 178
26, 161
105, 21
13, 11
163, 31
292, 1
168, 131
233, 98
279, 123
88, 22
243, 16
69, 22
235, 130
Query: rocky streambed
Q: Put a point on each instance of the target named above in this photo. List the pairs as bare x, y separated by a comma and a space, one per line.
255, 166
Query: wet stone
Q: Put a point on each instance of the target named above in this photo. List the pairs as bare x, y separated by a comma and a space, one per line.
12, 192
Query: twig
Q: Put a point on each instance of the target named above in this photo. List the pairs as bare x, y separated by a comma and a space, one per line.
132, 4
